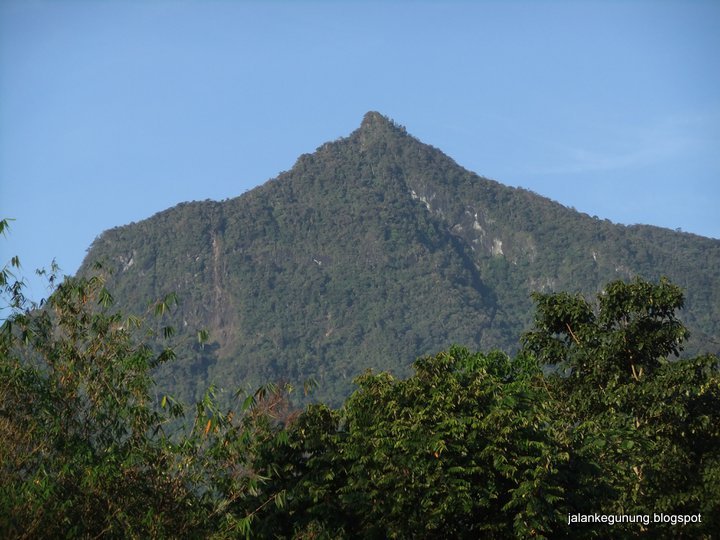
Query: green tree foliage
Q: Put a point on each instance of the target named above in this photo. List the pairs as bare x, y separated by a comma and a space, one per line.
76, 422
479, 445
591, 417
645, 429
86, 446
633, 332
459, 449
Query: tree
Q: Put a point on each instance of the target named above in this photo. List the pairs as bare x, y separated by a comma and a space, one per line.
480, 444
645, 429
460, 449
631, 334
81, 451
88, 448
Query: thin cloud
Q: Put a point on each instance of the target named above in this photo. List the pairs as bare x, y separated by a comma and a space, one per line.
671, 138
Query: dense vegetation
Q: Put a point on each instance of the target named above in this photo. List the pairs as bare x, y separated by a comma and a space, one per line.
371, 252
589, 417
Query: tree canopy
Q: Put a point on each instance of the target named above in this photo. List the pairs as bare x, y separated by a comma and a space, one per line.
592, 417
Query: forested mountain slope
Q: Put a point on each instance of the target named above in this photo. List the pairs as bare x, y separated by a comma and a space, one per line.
372, 251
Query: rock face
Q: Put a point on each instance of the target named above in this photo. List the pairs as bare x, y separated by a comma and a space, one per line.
370, 252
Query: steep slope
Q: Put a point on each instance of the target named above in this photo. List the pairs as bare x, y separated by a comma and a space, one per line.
372, 251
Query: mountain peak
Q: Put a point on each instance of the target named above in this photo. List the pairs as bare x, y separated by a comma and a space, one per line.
372, 251
374, 122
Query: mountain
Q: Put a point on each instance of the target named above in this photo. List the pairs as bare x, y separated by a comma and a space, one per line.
372, 251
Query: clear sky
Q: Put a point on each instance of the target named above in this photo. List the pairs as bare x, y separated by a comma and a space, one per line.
111, 111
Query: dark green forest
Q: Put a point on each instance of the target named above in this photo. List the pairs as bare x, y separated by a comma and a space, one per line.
372, 251
593, 414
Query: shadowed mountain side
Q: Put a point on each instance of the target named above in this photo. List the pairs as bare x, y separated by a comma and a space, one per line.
372, 251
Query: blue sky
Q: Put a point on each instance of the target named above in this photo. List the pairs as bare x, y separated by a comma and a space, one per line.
112, 111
